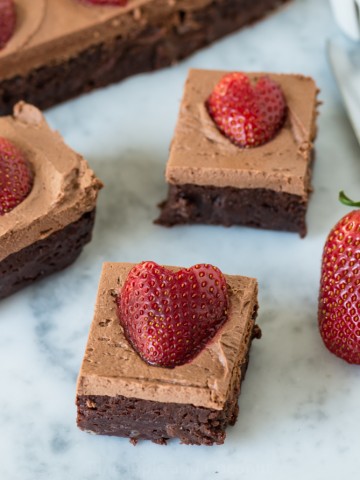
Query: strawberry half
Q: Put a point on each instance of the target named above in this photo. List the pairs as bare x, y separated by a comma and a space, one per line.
339, 299
16, 178
7, 21
248, 113
168, 316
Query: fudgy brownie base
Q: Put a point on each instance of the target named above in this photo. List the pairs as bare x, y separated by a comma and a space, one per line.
157, 421
148, 420
259, 207
155, 46
46, 256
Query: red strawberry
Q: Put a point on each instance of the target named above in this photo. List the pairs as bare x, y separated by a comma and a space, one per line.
339, 299
15, 176
119, 3
7, 21
248, 114
169, 316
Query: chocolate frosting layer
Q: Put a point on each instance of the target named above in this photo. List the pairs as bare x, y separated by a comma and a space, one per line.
111, 366
51, 31
201, 155
64, 186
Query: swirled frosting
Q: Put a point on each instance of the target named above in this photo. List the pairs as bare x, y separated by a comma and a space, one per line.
64, 186
111, 366
201, 155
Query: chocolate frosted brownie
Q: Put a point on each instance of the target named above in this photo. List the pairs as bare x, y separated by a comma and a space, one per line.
212, 180
61, 49
118, 393
47, 230
46, 256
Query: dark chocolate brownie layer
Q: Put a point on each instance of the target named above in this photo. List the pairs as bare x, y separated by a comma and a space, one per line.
46, 256
148, 420
155, 46
157, 421
227, 206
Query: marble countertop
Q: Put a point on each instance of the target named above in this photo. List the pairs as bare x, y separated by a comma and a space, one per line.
299, 409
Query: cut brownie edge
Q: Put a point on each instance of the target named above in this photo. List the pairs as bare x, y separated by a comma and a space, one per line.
46, 256
139, 419
156, 46
259, 208
156, 421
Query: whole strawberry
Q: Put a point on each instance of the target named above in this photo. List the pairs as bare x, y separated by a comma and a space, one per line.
16, 178
168, 316
7, 21
339, 299
249, 114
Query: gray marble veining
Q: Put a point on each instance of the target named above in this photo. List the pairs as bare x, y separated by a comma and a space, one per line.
299, 409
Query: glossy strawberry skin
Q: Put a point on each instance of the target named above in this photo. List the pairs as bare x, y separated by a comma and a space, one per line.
7, 21
249, 114
339, 299
16, 178
168, 316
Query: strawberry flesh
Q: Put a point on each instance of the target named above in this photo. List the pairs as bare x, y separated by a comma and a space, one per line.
16, 178
339, 299
7, 21
169, 316
248, 114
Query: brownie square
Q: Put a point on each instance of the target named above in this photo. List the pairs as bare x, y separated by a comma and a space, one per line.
120, 394
213, 181
47, 231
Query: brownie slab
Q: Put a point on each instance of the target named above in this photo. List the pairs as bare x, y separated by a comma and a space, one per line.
211, 180
119, 394
48, 61
47, 231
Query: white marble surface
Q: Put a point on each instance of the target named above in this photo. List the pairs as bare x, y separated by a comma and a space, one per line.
300, 411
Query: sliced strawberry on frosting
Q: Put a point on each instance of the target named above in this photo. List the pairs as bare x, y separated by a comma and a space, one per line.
248, 113
16, 178
168, 316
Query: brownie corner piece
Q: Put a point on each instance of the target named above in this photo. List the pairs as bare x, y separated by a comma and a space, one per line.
47, 230
119, 394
